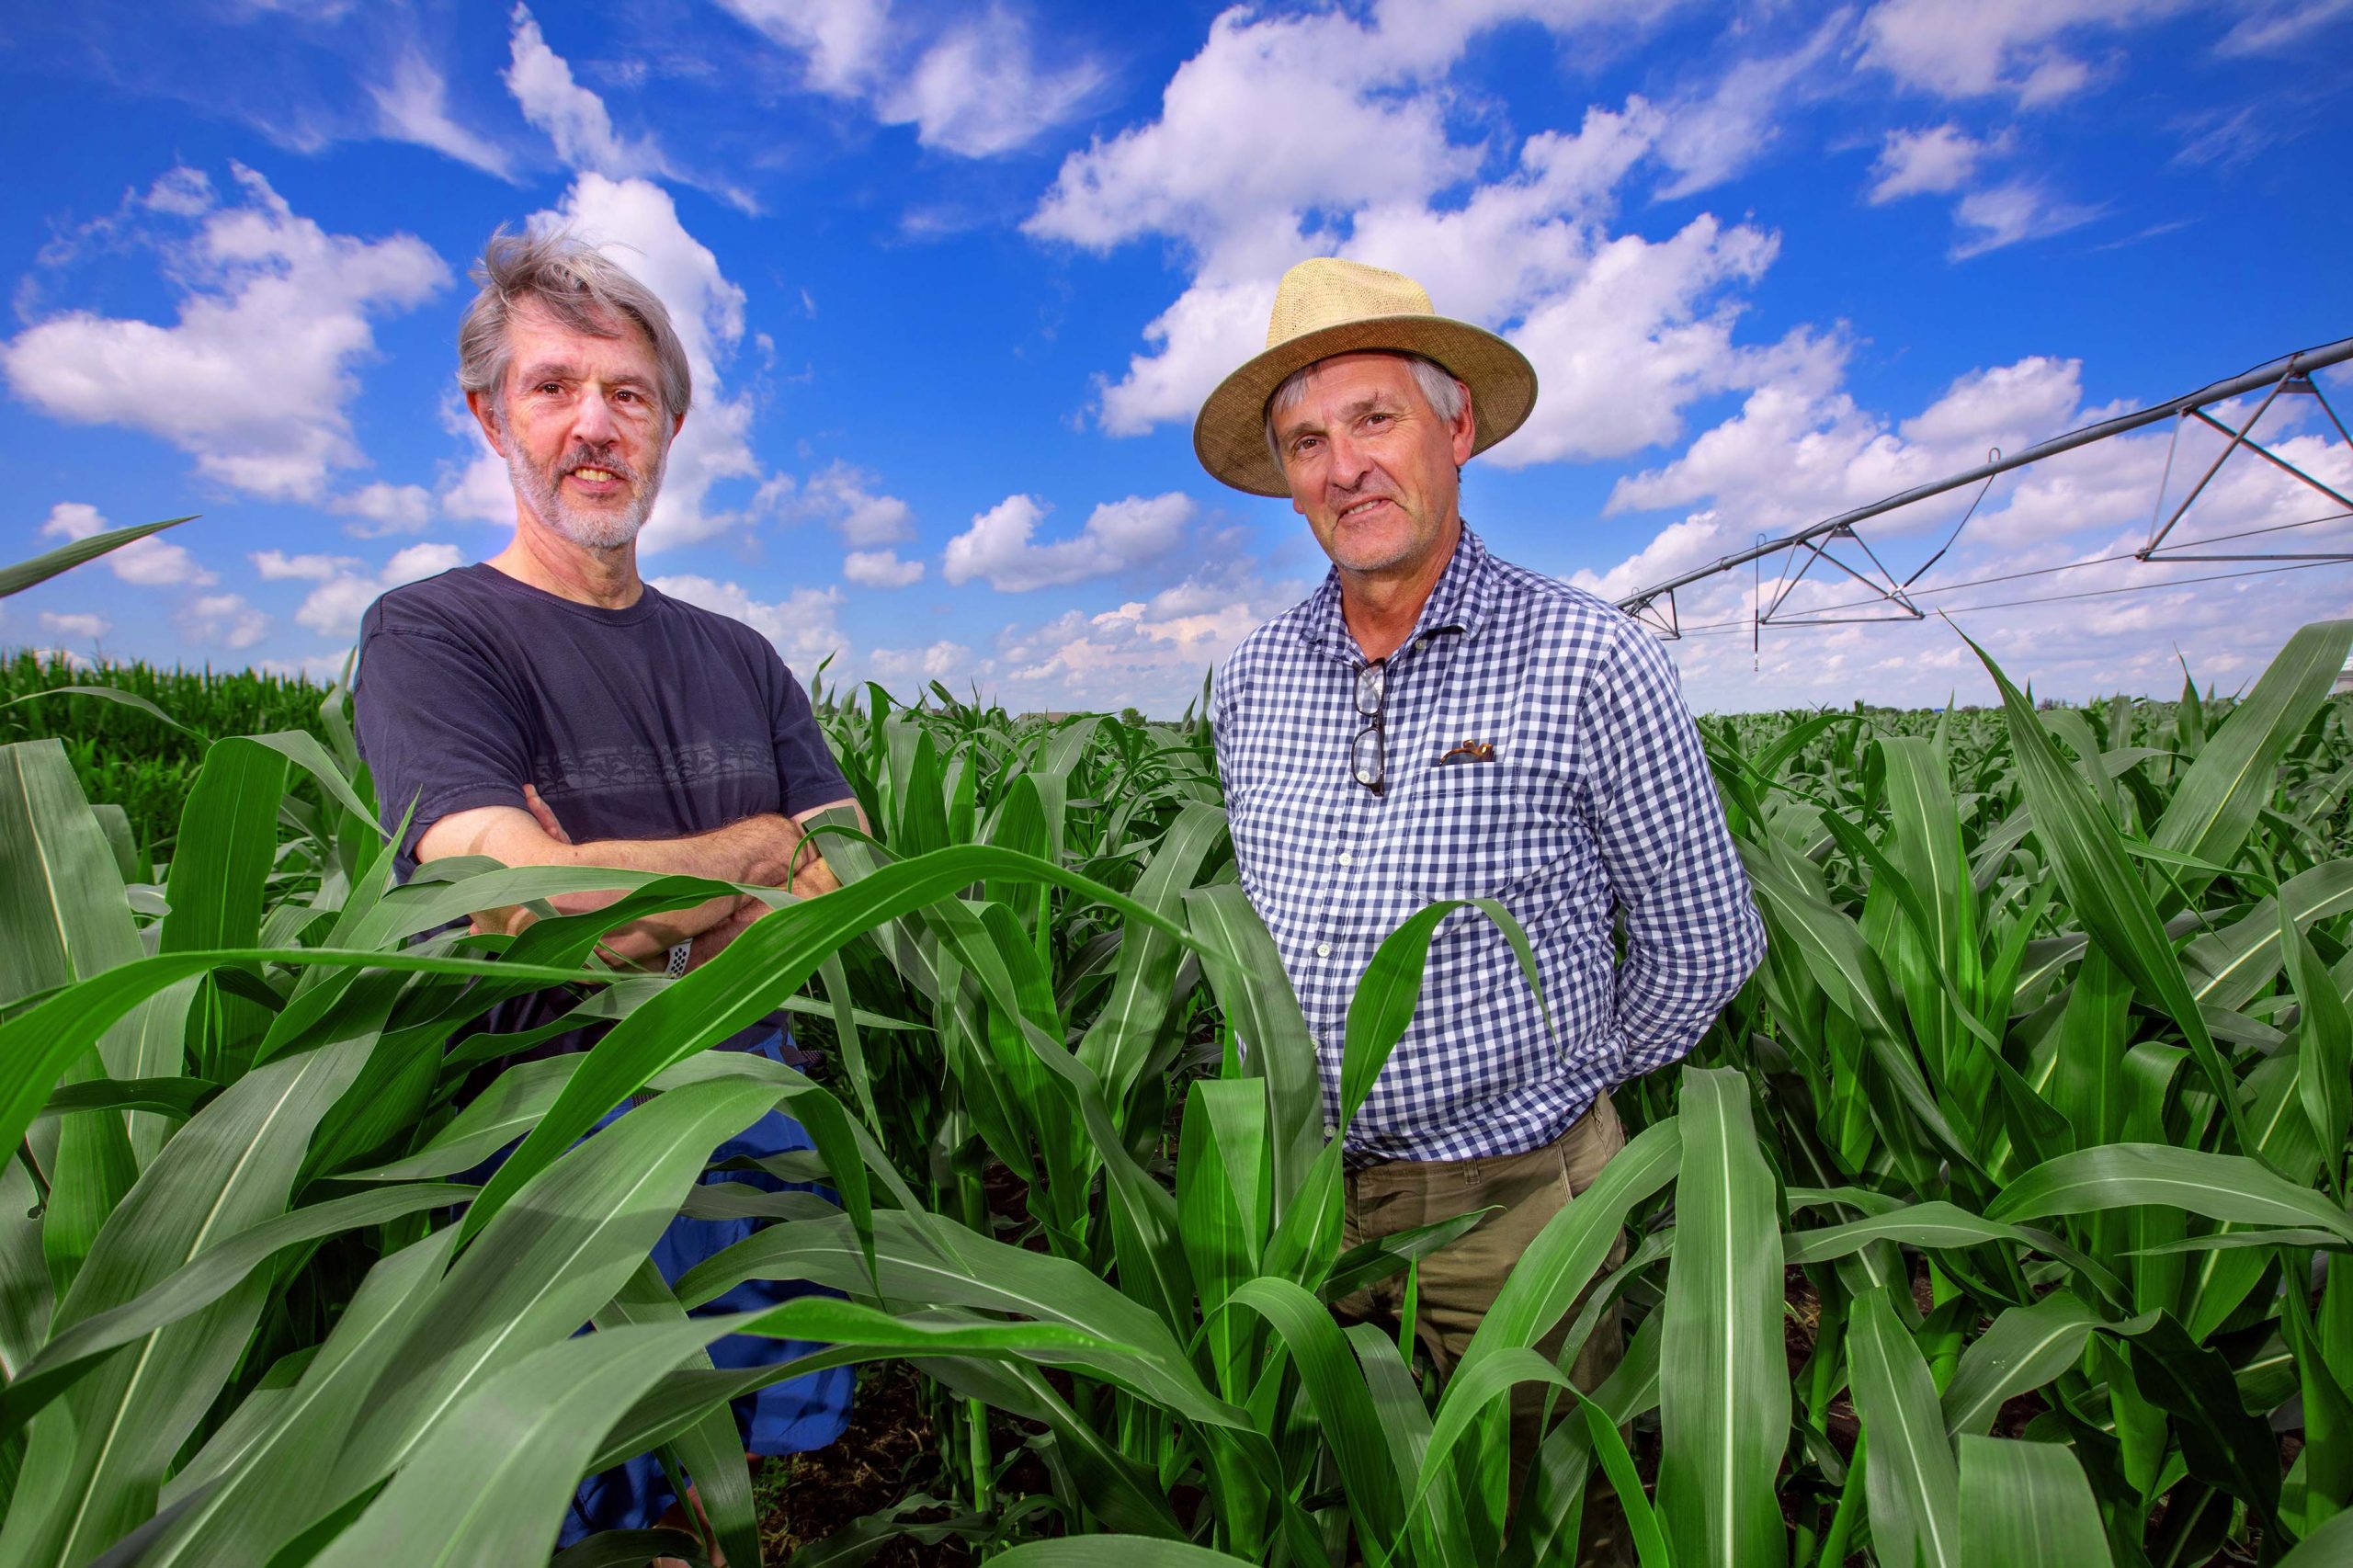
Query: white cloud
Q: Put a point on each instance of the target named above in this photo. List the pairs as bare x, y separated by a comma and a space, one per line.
181, 191
802, 625
1117, 535
2012, 47
1709, 139
1919, 163
975, 87
2006, 214
153, 562
223, 620
346, 588
2275, 27
846, 496
413, 106
1149, 653
1624, 331
941, 661
81, 627
420, 561
880, 569
383, 509
255, 378
573, 118
277, 566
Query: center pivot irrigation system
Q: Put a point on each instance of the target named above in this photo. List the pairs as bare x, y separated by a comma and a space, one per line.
1881, 596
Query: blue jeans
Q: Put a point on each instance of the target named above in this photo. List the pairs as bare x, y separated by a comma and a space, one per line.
787, 1418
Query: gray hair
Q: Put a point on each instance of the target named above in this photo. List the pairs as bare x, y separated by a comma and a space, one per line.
577, 284
1438, 386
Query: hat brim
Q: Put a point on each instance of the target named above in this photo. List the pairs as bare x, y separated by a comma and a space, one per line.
1230, 436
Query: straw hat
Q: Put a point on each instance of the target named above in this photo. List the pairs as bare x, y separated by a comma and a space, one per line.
1327, 306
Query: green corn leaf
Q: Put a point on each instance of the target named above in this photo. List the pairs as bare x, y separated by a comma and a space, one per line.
256, 1483
205, 1278
24, 575
95, 1459
568, 1246
772, 959
2324, 1054
176, 1098
2215, 804
1912, 1485
2220, 1187
2107, 894
1724, 1387
130, 699
2327, 1546
2026, 1505
1342, 1406
1111, 1552
2024, 1349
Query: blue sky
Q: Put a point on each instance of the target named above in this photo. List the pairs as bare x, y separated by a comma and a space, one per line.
955, 277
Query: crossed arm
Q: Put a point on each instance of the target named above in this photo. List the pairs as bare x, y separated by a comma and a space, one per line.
769, 850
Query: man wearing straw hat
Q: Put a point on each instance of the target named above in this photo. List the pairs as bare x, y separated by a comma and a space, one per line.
1434, 722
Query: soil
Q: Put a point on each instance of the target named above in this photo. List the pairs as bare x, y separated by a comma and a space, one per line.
888, 1453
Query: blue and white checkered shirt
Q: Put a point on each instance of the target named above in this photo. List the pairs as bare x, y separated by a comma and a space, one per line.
1597, 804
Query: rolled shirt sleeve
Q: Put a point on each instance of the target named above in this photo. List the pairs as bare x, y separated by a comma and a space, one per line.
1692, 931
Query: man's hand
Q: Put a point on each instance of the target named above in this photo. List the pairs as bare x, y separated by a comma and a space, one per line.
543, 816
770, 850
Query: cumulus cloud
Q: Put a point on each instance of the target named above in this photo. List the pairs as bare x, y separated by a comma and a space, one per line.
2017, 47
1150, 653
379, 509
346, 589
81, 627
224, 620
636, 222
1117, 535
851, 499
942, 661
277, 566
975, 86
803, 624
1624, 331
153, 562
880, 569
255, 378
1920, 162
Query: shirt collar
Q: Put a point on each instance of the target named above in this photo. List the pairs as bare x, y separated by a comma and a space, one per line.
1459, 602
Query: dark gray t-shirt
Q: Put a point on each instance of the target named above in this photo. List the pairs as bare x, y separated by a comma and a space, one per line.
654, 721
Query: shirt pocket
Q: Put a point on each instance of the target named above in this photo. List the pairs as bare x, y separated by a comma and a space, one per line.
1470, 834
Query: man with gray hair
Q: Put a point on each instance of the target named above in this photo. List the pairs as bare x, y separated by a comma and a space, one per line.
1436, 723
547, 706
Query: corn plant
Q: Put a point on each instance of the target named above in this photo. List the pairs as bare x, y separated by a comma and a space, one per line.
2028, 1145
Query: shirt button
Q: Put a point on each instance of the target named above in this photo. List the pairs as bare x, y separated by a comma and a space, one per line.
1423, 644
1346, 858
1323, 949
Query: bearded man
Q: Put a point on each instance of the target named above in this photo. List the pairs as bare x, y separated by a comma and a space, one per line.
547, 706
1434, 722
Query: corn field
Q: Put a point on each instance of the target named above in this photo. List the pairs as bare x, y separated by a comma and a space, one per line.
2002, 1220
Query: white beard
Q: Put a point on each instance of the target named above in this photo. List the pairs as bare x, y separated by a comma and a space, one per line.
588, 529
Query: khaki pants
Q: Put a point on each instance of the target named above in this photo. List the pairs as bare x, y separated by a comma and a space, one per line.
1460, 1282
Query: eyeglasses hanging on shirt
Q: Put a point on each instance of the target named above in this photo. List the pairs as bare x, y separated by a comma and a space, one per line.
1369, 753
